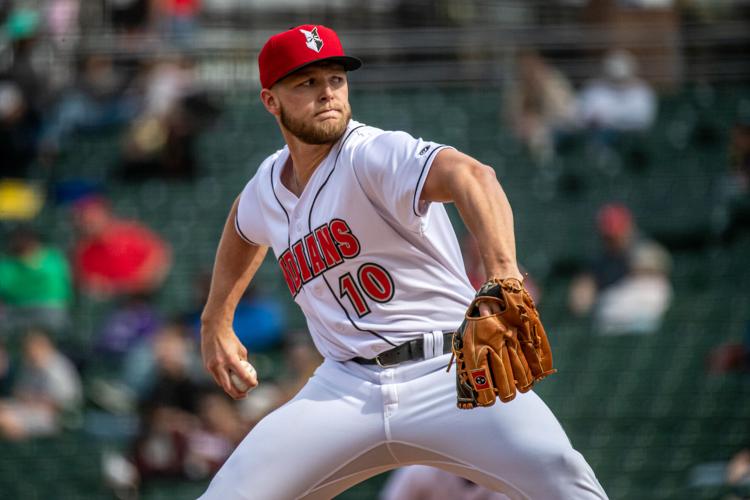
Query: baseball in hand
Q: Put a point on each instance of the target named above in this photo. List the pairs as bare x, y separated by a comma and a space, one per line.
237, 381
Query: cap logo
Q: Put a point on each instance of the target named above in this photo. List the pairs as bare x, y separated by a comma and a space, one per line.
312, 39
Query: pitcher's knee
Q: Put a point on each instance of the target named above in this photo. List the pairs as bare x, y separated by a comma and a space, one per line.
569, 463
567, 475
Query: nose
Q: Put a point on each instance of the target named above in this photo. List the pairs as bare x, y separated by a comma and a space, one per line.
327, 94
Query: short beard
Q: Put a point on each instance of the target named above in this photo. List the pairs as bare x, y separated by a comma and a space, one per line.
326, 132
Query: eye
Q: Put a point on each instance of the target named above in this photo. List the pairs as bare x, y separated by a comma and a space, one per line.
307, 83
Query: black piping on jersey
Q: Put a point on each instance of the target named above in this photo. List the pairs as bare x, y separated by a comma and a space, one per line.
239, 230
312, 205
288, 223
426, 162
309, 227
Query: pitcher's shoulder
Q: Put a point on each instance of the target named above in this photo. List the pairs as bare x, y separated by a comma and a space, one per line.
360, 133
367, 138
267, 164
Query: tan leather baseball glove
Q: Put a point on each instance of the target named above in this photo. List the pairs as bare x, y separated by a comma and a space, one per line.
499, 354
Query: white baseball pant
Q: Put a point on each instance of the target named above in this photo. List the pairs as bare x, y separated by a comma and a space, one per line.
351, 422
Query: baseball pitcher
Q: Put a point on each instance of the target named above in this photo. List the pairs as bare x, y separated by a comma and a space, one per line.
415, 358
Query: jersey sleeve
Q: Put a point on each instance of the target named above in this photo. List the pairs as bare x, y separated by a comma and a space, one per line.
392, 168
249, 220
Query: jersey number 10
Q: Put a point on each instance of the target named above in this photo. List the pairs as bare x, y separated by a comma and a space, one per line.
373, 280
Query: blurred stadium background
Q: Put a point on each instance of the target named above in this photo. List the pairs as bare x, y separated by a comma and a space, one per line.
152, 106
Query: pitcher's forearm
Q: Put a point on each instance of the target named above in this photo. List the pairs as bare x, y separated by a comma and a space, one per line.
482, 204
485, 210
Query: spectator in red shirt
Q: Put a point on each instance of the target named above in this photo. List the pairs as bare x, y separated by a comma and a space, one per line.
114, 256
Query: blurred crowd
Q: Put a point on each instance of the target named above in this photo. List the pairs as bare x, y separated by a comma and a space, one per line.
150, 91
139, 383
626, 288
140, 380
139, 367
544, 109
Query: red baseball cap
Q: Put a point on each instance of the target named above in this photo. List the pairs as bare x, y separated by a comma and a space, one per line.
614, 219
288, 51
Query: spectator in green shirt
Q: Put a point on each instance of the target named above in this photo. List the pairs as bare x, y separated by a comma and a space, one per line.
35, 284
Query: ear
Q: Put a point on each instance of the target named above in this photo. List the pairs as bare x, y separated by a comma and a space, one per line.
270, 101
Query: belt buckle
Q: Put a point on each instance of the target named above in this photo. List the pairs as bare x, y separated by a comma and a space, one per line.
381, 365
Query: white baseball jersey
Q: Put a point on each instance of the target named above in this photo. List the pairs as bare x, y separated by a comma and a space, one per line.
370, 265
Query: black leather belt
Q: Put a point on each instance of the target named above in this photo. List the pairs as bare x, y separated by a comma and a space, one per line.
414, 349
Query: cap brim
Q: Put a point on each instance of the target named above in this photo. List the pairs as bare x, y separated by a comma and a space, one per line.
348, 62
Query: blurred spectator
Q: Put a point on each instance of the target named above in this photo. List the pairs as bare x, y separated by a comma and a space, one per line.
637, 303
619, 101
629, 270
25, 69
180, 444
138, 370
5, 8
134, 320
161, 448
646, 4
732, 211
20, 200
738, 469
173, 379
62, 19
617, 234
261, 401
220, 430
740, 153
100, 98
540, 104
169, 409
169, 352
19, 128
179, 19
5, 371
48, 388
129, 15
169, 78
161, 141
114, 256
35, 284
731, 356
259, 320
420, 482
301, 359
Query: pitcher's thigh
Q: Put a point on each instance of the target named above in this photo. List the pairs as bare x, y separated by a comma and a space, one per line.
518, 448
